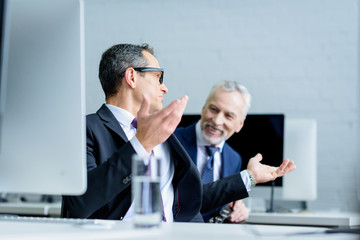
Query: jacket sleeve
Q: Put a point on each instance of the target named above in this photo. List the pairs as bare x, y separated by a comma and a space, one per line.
104, 182
223, 191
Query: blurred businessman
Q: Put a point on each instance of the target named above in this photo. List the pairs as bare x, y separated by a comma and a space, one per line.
222, 115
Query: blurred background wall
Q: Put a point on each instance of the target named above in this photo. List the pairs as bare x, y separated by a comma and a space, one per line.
299, 57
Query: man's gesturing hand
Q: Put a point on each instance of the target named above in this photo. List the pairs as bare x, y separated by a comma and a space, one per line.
155, 128
264, 173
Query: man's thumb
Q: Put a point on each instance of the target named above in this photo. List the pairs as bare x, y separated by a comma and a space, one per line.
258, 157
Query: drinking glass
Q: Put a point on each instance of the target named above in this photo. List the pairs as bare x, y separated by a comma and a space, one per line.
146, 191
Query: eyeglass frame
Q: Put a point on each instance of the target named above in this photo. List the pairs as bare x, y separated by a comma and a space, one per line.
148, 69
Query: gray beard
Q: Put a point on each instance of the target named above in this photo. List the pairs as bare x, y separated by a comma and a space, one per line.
212, 141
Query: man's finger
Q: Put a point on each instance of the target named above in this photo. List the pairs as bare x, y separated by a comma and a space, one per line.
290, 167
173, 117
257, 157
176, 105
283, 165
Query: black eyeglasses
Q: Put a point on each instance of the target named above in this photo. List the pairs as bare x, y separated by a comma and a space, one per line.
149, 69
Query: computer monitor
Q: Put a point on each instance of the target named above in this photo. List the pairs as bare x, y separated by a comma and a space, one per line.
301, 146
42, 128
261, 133
2, 53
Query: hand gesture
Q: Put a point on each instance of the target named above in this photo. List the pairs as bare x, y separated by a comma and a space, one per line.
153, 129
264, 173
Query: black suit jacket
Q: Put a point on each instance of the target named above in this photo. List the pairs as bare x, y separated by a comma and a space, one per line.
108, 194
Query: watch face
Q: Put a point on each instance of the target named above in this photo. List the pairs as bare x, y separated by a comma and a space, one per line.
252, 180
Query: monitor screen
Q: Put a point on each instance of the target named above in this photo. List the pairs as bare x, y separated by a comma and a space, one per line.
261, 133
42, 128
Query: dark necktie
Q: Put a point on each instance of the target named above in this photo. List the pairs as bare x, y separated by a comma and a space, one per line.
208, 172
134, 124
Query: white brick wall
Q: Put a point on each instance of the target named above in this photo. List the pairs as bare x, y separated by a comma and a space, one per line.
297, 57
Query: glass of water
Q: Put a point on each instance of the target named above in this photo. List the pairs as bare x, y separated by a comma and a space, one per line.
146, 191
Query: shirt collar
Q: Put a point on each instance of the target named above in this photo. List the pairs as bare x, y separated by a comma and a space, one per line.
124, 117
201, 142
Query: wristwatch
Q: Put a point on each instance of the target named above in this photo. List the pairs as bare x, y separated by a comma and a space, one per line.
252, 179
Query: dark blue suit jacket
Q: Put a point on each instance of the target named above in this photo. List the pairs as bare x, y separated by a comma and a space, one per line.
230, 160
108, 194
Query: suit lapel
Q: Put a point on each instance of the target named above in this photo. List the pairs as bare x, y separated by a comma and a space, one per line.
186, 179
223, 163
110, 122
227, 167
178, 148
189, 142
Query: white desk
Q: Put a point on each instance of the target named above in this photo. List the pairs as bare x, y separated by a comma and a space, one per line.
168, 231
328, 219
321, 219
25, 208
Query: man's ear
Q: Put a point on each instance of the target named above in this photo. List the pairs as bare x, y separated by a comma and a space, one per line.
240, 126
130, 77
202, 110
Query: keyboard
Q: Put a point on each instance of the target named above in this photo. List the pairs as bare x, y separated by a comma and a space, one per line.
76, 221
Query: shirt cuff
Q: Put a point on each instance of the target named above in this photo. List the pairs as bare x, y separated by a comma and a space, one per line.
246, 179
139, 149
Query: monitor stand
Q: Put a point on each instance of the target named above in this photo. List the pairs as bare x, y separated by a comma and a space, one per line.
271, 207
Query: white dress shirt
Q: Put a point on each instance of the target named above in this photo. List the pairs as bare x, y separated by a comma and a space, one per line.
202, 158
161, 151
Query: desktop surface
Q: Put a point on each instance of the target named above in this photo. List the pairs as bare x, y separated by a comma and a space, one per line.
322, 219
124, 230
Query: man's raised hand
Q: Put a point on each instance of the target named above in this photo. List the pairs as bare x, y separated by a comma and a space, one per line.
263, 173
155, 128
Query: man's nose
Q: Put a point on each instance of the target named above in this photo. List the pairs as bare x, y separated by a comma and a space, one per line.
217, 119
164, 89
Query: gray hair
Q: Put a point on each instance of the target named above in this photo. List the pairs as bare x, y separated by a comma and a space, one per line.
231, 86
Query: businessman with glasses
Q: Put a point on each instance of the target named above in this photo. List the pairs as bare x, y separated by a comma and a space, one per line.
132, 81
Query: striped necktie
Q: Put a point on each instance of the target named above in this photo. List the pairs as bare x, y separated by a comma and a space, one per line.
208, 172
